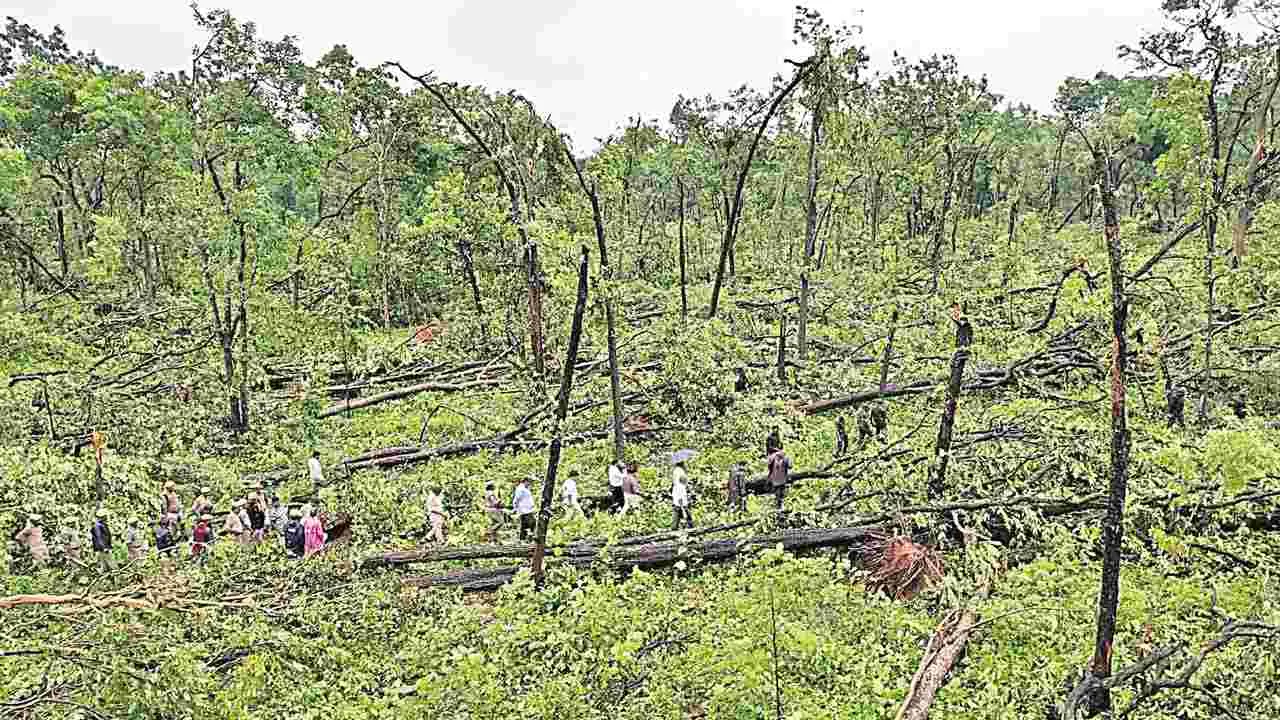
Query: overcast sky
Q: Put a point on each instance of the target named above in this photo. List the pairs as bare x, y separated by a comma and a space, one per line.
593, 63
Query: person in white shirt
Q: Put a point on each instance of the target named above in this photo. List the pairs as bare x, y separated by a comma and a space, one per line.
616, 475
522, 505
569, 494
680, 497
437, 515
313, 465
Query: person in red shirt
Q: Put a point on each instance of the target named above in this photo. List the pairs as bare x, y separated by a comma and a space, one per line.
200, 536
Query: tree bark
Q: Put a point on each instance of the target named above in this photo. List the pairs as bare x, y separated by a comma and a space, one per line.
735, 207
946, 647
562, 410
942, 451
1113, 522
666, 554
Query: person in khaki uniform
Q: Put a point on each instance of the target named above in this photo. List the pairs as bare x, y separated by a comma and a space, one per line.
232, 527
71, 540
32, 537
133, 540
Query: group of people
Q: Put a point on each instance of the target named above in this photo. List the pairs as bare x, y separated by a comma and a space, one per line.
258, 514
624, 495
249, 521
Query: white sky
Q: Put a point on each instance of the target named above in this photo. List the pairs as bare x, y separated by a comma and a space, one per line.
593, 63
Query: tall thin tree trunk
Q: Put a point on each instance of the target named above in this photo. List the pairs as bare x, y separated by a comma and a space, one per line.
810, 232
940, 230
942, 452
62, 238
562, 410
606, 271
684, 280
1113, 523
782, 344
537, 342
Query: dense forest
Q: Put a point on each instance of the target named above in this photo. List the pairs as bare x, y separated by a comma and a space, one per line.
1025, 366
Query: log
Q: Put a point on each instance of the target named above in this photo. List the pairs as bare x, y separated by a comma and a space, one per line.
339, 408
520, 551
503, 441
657, 555
945, 647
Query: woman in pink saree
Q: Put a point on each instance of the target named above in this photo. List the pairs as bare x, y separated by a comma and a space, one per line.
313, 531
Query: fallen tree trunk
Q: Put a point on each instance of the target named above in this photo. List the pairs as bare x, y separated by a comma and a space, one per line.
503, 441
519, 551
656, 555
946, 646
339, 408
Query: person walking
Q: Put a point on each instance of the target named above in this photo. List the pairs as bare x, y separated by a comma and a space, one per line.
277, 515
630, 491
31, 536
773, 442
257, 520
617, 472
522, 506
494, 510
133, 540
71, 540
569, 495
100, 535
735, 490
232, 525
295, 537
314, 534
779, 474
163, 535
314, 469
201, 536
246, 535
202, 504
842, 438
172, 503
680, 497
437, 515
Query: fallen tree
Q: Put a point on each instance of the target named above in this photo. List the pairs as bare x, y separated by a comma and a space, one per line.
518, 551
657, 555
946, 646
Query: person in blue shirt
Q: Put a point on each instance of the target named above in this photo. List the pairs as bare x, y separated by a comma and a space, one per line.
522, 505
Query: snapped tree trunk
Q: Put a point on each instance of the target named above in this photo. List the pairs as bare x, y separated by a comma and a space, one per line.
1113, 522
942, 452
735, 207
562, 410
1245, 218
611, 325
